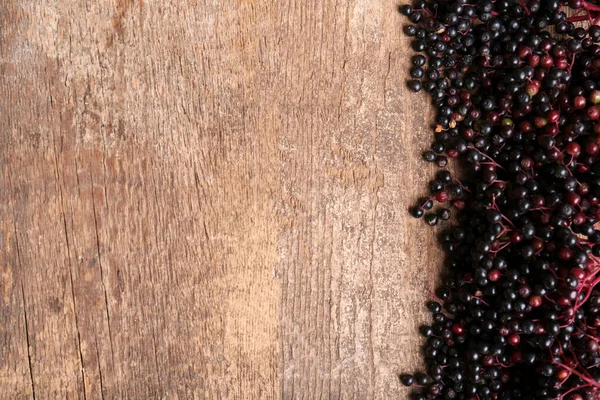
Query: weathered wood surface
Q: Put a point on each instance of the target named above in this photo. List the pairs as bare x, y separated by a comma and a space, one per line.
207, 199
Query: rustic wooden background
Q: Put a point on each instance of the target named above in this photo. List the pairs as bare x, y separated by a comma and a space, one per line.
207, 199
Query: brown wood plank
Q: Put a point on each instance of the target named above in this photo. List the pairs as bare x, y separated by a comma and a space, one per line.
204, 199
353, 261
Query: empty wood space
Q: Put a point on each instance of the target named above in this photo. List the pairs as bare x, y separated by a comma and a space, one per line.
208, 200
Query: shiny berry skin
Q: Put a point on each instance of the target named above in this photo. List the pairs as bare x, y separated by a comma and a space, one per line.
407, 380
494, 275
573, 149
516, 237
535, 301
546, 61
573, 198
444, 214
406, 10
458, 329
431, 219
579, 102
592, 148
429, 156
417, 212
414, 85
553, 116
576, 4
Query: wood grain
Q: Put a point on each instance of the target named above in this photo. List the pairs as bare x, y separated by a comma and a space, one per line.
205, 199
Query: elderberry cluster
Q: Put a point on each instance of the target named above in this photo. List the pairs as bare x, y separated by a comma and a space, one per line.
516, 86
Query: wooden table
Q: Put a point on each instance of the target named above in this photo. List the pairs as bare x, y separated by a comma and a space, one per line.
208, 199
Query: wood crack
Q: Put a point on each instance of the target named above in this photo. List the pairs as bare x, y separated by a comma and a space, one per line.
104, 172
28, 340
101, 270
27, 337
385, 78
64, 218
100, 372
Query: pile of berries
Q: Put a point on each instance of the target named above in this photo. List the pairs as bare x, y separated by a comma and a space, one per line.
516, 86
